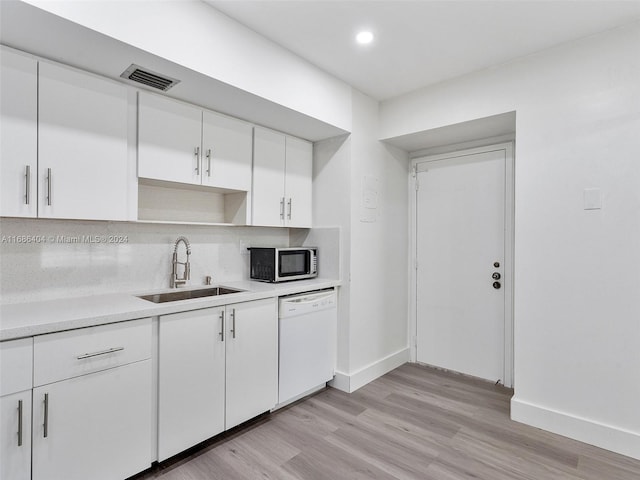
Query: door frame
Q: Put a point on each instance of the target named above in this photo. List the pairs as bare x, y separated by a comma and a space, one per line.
509, 244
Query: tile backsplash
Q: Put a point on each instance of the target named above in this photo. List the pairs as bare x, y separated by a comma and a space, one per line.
43, 259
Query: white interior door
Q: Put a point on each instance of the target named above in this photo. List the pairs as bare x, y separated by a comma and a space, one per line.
460, 237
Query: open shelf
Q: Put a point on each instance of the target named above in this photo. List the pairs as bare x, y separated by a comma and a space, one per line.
168, 202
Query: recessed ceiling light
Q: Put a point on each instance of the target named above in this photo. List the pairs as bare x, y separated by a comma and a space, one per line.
364, 37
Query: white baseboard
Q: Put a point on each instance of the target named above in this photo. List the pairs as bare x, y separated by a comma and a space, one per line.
585, 430
351, 382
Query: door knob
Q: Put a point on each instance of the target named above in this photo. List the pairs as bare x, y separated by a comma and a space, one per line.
496, 285
495, 276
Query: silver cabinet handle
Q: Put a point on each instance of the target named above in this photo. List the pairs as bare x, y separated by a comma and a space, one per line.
101, 352
19, 423
289, 205
48, 186
197, 154
233, 322
209, 163
27, 184
282, 208
46, 415
222, 326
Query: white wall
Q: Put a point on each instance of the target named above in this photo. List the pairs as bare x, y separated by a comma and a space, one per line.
195, 35
379, 253
62, 267
372, 327
331, 200
577, 272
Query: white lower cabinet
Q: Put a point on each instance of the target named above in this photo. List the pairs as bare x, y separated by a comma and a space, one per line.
15, 437
218, 367
191, 369
92, 402
252, 360
95, 426
16, 358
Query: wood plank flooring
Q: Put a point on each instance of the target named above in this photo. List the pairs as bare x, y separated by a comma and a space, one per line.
413, 423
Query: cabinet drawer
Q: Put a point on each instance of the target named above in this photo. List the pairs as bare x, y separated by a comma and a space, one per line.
63, 355
16, 360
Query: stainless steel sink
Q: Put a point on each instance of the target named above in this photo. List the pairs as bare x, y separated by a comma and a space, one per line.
188, 294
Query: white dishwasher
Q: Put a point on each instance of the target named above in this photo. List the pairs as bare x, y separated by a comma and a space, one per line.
308, 330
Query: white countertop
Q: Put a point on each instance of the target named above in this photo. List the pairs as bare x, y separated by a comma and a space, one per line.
27, 319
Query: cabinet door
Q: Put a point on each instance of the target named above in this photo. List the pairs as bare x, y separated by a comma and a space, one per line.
252, 360
98, 426
82, 142
298, 182
19, 133
226, 152
191, 379
268, 178
15, 436
169, 139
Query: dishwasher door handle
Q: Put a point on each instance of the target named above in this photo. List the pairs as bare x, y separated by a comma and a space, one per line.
311, 299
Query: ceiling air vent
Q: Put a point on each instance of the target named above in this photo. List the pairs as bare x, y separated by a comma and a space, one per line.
146, 77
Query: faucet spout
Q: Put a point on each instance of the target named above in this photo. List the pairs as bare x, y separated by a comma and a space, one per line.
177, 281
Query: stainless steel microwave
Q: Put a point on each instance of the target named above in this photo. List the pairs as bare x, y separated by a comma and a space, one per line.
273, 264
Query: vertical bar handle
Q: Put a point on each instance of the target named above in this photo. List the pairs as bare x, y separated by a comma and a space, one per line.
27, 184
48, 186
222, 326
19, 423
289, 205
196, 152
208, 162
46, 415
233, 322
282, 208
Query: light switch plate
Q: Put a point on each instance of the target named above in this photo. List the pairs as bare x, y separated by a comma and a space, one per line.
592, 199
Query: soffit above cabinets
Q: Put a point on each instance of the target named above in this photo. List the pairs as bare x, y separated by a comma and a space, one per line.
33, 30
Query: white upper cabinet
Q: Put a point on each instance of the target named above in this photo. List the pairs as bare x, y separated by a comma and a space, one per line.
298, 178
268, 178
182, 143
282, 177
82, 146
19, 133
226, 150
169, 137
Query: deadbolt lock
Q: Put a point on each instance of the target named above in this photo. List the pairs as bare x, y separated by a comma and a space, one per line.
495, 276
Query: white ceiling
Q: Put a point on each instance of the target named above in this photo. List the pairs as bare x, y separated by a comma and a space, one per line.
422, 42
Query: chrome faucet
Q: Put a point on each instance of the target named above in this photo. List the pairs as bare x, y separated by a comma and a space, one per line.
175, 280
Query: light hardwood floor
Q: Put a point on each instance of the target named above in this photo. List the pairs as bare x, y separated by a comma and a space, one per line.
413, 423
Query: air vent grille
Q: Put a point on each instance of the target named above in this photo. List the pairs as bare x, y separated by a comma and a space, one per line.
149, 78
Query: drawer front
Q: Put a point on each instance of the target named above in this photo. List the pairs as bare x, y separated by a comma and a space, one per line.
16, 361
63, 355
